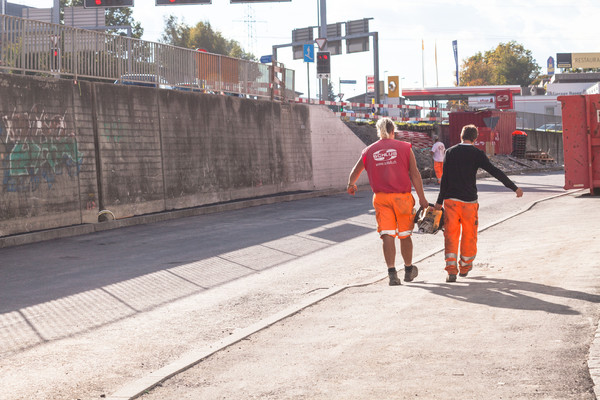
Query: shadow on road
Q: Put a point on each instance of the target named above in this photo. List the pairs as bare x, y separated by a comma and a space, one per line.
506, 293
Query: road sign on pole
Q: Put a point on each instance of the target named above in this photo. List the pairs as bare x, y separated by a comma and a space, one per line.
321, 43
309, 53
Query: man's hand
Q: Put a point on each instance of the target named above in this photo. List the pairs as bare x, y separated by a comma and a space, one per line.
438, 206
519, 192
423, 203
351, 188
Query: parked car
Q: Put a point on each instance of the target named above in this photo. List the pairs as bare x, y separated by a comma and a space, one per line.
147, 80
195, 86
550, 127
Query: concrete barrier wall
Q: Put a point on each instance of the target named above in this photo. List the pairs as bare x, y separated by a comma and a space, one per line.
549, 142
46, 155
69, 151
335, 150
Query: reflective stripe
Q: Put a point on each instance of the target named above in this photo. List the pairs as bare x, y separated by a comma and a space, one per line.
465, 259
391, 233
405, 233
451, 263
451, 255
462, 201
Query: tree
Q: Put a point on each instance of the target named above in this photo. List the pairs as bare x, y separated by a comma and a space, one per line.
201, 36
114, 17
508, 64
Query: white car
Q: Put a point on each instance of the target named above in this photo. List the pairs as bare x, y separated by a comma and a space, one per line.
148, 80
550, 127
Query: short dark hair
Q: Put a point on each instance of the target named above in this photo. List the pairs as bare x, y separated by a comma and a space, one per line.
469, 132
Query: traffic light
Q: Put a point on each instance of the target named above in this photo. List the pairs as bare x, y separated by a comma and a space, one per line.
323, 62
107, 3
55, 58
181, 2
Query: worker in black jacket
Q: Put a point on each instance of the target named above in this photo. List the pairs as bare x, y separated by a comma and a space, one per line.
458, 195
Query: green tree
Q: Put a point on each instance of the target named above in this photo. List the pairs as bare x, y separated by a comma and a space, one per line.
201, 36
476, 71
508, 64
114, 17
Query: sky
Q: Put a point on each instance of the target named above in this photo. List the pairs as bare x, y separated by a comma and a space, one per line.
411, 33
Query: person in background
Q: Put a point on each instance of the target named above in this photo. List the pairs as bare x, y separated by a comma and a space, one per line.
438, 150
458, 195
391, 167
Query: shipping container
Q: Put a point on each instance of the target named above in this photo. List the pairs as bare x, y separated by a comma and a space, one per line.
495, 129
581, 141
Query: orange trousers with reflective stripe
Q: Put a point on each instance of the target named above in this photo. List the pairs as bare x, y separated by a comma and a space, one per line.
438, 166
461, 222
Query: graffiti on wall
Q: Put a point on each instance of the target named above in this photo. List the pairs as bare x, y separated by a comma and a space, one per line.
35, 149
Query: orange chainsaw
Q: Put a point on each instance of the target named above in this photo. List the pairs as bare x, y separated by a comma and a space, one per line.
429, 220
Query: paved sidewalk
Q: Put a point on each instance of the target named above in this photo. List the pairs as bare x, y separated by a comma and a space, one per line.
521, 326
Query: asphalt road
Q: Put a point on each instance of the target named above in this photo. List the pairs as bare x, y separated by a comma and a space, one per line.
82, 317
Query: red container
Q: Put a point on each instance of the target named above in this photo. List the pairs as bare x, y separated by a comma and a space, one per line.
581, 141
495, 128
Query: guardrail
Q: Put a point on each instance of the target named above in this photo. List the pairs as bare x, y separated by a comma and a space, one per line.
28, 46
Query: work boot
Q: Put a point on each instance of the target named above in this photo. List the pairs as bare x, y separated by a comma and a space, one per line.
410, 273
394, 280
464, 270
451, 278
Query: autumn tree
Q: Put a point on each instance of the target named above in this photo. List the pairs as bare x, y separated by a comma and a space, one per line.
508, 64
121, 16
201, 36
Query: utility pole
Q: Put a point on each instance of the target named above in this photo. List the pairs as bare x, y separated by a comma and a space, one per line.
56, 12
323, 35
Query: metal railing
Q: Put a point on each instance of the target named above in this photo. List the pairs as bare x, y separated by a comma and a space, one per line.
539, 122
28, 46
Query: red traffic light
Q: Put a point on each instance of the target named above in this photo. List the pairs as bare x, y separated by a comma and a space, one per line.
323, 62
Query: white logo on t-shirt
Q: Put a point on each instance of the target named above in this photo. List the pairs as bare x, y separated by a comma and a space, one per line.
385, 155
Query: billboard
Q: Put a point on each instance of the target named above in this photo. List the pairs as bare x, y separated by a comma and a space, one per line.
578, 60
359, 44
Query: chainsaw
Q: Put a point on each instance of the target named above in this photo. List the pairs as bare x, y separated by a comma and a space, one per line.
429, 220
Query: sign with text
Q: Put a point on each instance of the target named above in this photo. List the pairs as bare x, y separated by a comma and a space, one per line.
563, 60
585, 60
370, 84
504, 100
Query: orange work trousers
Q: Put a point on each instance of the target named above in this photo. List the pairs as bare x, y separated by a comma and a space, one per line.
438, 166
460, 216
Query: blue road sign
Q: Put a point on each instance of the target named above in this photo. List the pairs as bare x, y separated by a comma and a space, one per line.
266, 59
309, 53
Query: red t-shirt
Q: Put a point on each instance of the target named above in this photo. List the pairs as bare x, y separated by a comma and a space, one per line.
387, 164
